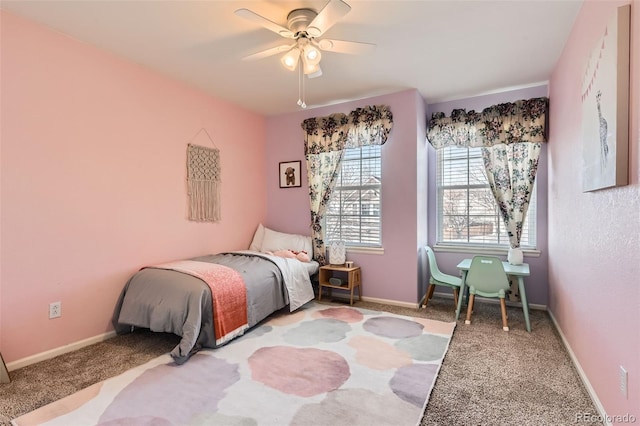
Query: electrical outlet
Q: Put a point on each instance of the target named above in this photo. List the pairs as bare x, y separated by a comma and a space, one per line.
623, 382
55, 310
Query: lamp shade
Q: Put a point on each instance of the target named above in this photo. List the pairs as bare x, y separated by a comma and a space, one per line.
290, 59
311, 70
337, 252
312, 55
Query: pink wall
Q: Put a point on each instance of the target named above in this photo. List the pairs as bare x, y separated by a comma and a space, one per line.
93, 182
392, 275
594, 238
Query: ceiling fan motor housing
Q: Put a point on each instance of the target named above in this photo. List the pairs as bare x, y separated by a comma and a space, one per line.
299, 19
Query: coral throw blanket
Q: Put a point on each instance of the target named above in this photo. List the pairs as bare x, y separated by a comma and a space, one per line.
228, 293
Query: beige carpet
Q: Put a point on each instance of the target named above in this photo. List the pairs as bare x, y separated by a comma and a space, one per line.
327, 365
488, 377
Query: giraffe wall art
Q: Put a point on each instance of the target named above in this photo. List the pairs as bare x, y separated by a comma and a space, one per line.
605, 107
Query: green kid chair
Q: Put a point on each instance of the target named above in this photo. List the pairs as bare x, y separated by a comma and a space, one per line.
438, 278
486, 277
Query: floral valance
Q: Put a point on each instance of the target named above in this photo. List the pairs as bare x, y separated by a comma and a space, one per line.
363, 126
369, 126
325, 134
520, 121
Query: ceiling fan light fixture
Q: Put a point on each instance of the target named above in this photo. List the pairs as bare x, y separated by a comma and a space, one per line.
316, 73
305, 26
290, 59
310, 69
312, 54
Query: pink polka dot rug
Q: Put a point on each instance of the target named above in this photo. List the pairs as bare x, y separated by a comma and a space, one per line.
320, 365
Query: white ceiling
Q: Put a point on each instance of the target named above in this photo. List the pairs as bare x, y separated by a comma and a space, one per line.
445, 49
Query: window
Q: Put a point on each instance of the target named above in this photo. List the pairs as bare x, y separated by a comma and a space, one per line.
353, 212
467, 212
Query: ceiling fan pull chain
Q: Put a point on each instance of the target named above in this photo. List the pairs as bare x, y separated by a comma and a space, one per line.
301, 96
299, 89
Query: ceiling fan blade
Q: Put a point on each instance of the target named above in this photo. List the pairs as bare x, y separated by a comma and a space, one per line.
266, 23
269, 52
327, 17
341, 46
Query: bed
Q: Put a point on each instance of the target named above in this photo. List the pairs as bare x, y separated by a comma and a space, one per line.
209, 300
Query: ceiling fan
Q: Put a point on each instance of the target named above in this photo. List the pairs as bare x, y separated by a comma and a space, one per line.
304, 26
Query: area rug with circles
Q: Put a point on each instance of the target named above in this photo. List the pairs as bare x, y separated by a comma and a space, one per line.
321, 365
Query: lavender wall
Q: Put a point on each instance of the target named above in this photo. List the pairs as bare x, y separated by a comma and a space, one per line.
536, 284
392, 275
408, 217
594, 238
422, 194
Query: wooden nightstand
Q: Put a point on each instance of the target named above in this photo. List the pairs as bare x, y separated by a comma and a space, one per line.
353, 276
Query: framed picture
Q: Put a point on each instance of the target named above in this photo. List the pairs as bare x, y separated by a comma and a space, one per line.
290, 174
605, 106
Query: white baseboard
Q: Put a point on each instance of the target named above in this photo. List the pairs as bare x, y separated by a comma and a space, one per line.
443, 295
592, 393
375, 300
496, 301
42, 356
389, 302
102, 337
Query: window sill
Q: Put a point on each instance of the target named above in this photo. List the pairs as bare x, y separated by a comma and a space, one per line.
366, 250
497, 251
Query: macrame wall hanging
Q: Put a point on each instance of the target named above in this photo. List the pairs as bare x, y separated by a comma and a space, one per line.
203, 182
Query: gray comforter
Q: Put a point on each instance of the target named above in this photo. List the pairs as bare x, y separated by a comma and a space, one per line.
174, 302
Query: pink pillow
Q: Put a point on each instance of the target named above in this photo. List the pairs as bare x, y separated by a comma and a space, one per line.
284, 253
302, 256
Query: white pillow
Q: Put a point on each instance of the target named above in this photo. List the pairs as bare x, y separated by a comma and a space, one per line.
273, 241
256, 244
